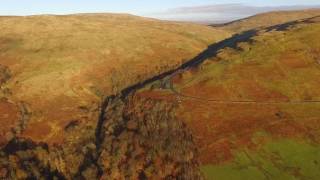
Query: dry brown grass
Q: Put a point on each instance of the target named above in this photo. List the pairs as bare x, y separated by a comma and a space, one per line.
61, 63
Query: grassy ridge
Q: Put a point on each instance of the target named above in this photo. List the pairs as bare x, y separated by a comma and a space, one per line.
269, 19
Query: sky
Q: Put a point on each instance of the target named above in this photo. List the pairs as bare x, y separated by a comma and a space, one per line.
194, 10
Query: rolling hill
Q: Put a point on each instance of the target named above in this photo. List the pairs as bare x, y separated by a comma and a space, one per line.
267, 20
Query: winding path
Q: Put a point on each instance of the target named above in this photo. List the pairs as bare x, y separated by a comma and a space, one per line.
179, 95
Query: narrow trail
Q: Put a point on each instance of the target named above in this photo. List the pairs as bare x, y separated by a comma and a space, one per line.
181, 95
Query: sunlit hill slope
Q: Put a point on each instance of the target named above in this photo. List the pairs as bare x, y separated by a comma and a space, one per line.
268, 19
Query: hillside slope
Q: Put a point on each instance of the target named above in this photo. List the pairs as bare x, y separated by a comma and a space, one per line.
252, 103
61, 65
267, 19
55, 72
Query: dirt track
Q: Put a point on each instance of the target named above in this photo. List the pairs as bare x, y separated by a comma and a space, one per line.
180, 95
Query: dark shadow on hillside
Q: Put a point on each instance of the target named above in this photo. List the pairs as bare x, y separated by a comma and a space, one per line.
210, 52
213, 49
288, 25
232, 22
278, 27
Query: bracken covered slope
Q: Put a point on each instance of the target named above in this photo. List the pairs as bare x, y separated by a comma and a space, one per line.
252, 103
55, 72
268, 19
61, 66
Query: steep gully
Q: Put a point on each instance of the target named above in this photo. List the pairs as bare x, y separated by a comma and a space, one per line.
5, 76
211, 51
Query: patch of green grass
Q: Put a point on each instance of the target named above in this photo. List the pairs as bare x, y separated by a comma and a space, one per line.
231, 172
296, 157
277, 160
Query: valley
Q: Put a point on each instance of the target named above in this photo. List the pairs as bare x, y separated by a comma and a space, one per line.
159, 100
